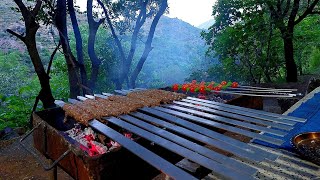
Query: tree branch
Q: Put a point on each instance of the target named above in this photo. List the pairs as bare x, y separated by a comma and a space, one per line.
315, 12
37, 8
113, 32
22, 8
307, 12
294, 12
286, 10
22, 38
51, 58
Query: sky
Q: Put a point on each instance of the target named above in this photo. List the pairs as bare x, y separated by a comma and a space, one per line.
194, 12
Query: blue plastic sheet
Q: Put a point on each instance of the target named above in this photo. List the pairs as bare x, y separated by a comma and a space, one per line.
309, 110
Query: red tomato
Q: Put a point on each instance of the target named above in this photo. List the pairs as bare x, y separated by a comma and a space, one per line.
175, 87
192, 89
218, 88
184, 88
234, 85
224, 83
202, 90
202, 83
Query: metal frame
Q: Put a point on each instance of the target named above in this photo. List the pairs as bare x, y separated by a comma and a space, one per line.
45, 167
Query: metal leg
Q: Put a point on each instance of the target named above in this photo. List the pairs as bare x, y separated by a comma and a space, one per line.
54, 173
46, 167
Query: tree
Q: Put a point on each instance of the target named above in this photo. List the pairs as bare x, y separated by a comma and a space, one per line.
79, 48
30, 17
283, 15
95, 61
137, 12
244, 40
286, 15
60, 22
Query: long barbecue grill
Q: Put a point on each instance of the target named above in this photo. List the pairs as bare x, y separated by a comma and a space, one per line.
190, 129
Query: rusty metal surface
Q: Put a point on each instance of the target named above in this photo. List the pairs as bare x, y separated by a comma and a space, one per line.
51, 143
142, 152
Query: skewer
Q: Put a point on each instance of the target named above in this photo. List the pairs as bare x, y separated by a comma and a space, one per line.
253, 87
270, 92
256, 95
260, 90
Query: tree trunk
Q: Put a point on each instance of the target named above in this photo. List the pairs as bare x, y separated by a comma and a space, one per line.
147, 47
77, 34
31, 26
61, 24
95, 61
45, 94
292, 74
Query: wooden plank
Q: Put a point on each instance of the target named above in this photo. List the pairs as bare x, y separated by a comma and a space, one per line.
156, 111
143, 153
242, 153
217, 168
228, 120
231, 114
224, 127
280, 122
191, 145
251, 110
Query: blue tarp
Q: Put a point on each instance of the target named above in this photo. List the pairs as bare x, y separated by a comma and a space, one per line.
309, 110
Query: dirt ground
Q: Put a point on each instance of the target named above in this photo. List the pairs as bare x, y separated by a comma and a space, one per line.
17, 163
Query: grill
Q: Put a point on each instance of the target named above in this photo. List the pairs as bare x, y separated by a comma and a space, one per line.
192, 129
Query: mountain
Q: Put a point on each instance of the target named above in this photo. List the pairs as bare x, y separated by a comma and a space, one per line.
178, 50
206, 24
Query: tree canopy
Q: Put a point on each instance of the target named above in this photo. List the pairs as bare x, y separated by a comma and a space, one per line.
250, 35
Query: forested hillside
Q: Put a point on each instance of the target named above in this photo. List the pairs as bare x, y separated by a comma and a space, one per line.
177, 51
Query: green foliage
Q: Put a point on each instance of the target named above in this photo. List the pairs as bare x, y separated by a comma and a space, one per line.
14, 72
249, 45
178, 51
16, 109
315, 60
59, 78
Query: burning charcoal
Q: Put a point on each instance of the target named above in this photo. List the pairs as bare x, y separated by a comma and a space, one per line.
100, 148
128, 135
87, 140
89, 132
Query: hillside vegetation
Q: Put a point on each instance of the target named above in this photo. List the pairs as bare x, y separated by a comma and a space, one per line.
178, 50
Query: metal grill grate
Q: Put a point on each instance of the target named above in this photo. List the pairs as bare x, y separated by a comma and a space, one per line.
187, 128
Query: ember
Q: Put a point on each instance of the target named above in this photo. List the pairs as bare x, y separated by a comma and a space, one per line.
87, 139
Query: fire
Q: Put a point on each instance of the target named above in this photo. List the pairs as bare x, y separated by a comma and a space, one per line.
87, 139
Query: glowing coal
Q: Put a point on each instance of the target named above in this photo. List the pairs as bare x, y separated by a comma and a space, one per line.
87, 139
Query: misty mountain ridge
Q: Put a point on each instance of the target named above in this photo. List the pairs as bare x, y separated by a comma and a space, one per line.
206, 24
178, 50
